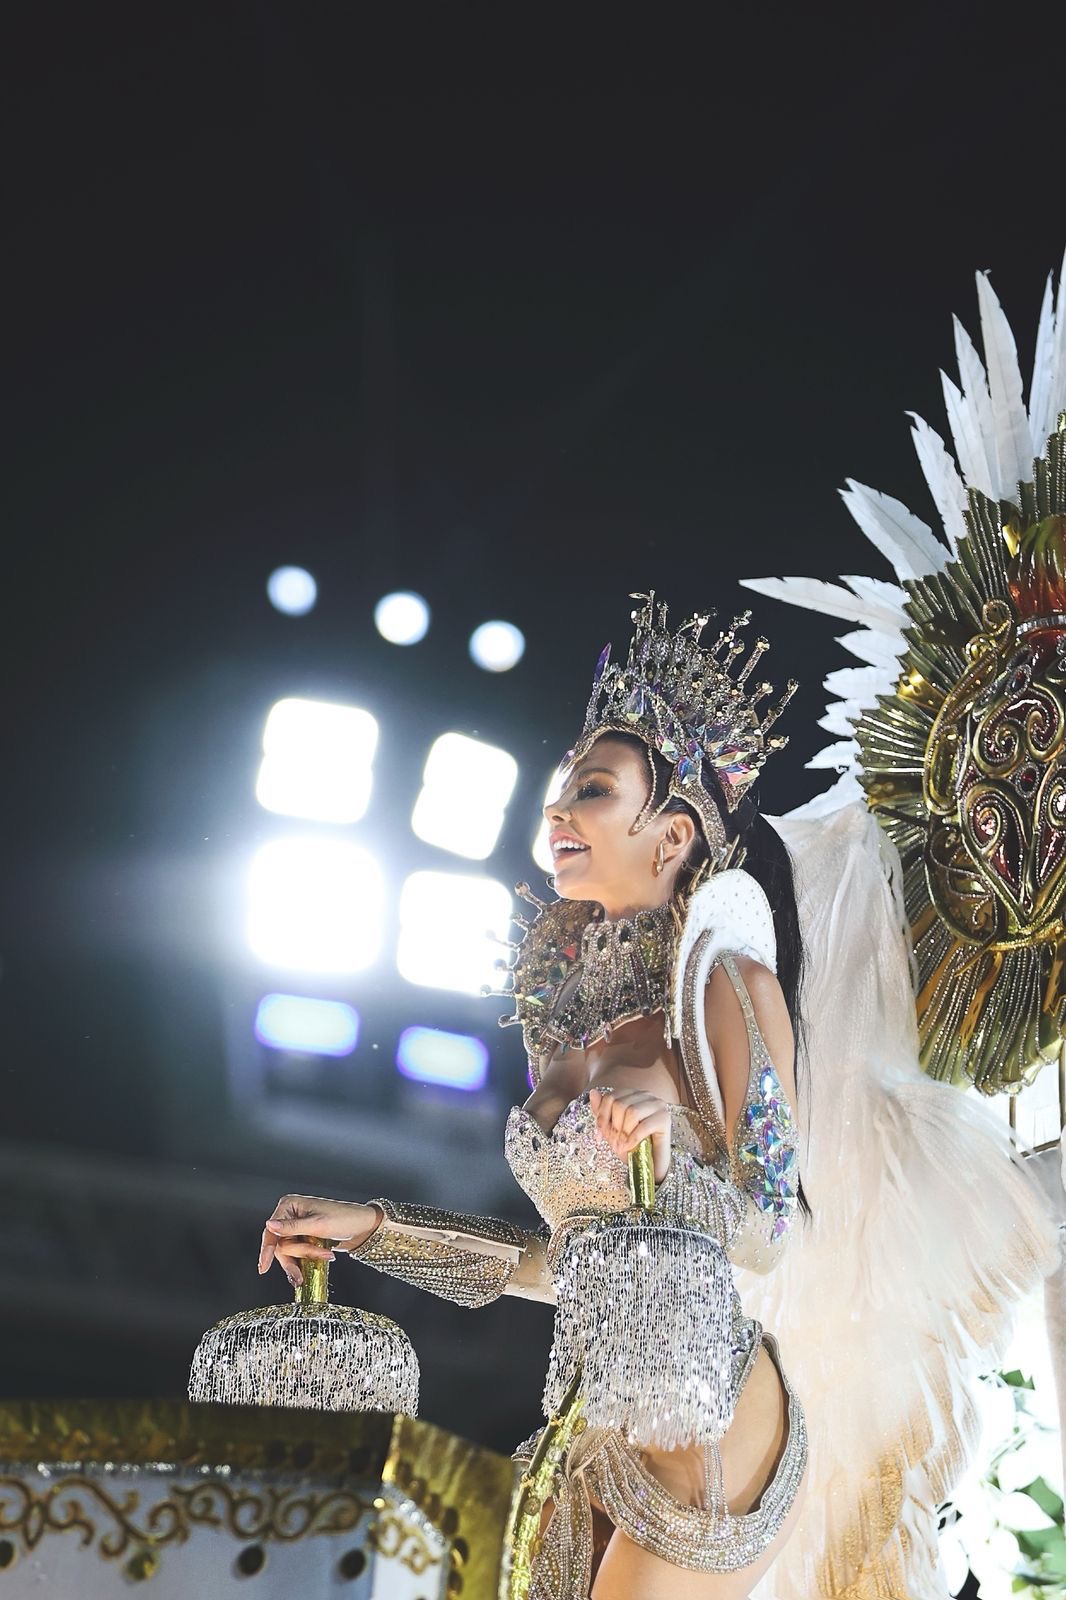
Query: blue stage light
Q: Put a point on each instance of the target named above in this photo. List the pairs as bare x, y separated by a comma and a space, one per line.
312, 1027
454, 1059
402, 618
292, 590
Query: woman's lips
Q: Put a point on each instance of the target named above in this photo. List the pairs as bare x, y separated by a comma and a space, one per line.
561, 853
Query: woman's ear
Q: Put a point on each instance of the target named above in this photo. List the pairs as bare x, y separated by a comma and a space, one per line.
680, 832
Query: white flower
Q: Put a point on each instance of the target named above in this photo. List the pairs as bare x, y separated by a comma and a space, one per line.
956, 1561
1019, 1512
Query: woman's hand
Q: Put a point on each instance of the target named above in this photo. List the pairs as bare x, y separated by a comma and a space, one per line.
299, 1217
626, 1116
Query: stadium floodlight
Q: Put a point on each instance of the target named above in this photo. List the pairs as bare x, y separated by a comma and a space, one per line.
292, 590
497, 646
447, 923
466, 785
315, 905
402, 618
455, 1060
307, 1026
318, 761
541, 849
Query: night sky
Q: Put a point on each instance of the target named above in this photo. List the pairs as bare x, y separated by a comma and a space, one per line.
522, 315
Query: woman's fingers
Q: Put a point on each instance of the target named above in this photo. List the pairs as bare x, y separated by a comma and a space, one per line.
625, 1118
301, 1247
267, 1250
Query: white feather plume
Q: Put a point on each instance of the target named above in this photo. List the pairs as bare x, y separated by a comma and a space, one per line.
1011, 441
995, 440
839, 757
982, 471
878, 649
861, 684
904, 539
1043, 368
840, 718
942, 476
832, 600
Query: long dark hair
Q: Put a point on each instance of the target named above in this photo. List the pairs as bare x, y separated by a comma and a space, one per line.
766, 857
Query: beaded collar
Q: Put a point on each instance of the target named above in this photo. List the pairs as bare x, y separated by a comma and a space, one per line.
577, 976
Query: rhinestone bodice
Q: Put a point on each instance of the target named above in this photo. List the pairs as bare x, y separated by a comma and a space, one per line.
572, 1169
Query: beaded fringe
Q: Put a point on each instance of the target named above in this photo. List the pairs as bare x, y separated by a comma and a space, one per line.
644, 1311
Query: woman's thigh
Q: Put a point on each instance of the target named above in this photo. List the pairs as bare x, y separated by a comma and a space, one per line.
629, 1572
750, 1453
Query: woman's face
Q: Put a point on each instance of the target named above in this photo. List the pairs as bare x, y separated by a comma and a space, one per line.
595, 852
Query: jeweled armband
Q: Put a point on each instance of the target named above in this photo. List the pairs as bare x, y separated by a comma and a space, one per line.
466, 1259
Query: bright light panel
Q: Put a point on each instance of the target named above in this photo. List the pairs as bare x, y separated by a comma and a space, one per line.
445, 918
497, 646
402, 618
315, 905
317, 761
541, 853
292, 590
312, 1027
456, 1060
465, 789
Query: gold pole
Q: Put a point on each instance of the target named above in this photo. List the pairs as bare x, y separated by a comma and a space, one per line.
535, 1487
314, 1290
642, 1175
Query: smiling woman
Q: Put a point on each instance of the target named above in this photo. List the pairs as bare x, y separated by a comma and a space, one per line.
659, 998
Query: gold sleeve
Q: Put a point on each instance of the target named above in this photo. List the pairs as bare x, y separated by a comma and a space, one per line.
466, 1259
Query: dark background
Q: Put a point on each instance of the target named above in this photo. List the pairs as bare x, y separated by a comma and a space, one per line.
523, 313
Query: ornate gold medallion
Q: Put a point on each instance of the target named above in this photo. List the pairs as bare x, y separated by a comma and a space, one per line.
965, 766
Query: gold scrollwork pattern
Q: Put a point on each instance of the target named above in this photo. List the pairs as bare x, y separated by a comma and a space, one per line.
316, 1466
965, 766
79, 1503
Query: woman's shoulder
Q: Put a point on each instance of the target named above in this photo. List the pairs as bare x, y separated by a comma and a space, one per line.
724, 1012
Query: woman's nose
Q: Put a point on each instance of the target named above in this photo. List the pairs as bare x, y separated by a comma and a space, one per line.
555, 811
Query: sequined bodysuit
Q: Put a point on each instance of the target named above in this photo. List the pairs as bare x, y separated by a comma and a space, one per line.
572, 1175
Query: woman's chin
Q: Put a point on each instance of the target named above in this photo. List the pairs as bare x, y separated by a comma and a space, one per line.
572, 882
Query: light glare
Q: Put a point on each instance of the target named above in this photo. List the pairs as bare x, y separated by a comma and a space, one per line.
541, 850
317, 761
315, 905
497, 646
456, 1060
292, 590
445, 918
466, 785
402, 618
312, 1027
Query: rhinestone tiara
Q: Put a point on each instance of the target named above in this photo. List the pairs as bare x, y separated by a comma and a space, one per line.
683, 700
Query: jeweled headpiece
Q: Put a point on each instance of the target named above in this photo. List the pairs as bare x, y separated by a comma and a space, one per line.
683, 700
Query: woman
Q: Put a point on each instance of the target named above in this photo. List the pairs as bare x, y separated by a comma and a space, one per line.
659, 997
632, 839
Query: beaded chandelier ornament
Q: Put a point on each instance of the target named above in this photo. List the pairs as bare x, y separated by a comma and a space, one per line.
309, 1354
681, 698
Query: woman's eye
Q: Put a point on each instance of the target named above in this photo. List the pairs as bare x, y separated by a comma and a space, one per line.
590, 790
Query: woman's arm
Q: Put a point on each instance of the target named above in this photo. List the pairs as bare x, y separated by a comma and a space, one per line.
466, 1259
750, 1035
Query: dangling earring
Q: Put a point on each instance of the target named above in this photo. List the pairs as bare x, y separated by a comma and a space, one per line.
659, 864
